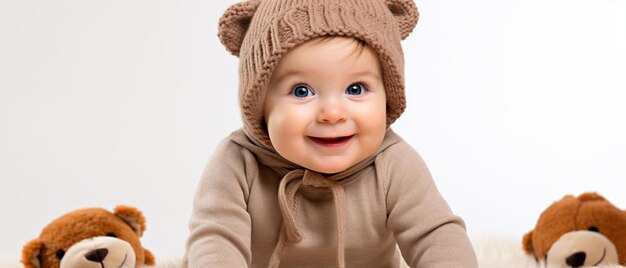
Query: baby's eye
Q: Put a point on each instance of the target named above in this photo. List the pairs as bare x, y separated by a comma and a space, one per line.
355, 89
302, 92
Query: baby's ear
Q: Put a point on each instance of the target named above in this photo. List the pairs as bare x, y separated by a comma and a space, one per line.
406, 14
234, 24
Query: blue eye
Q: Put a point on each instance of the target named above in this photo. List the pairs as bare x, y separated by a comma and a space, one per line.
355, 89
302, 92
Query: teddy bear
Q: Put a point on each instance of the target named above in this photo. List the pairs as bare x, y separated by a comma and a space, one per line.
579, 231
90, 237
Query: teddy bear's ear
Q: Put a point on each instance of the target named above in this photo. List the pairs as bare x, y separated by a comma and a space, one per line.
406, 14
591, 196
31, 252
149, 258
234, 24
528, 243
132, 217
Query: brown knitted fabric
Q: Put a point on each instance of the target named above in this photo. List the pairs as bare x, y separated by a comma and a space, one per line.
260, 32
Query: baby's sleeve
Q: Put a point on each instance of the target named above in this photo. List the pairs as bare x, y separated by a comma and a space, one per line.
220, 226
427, 232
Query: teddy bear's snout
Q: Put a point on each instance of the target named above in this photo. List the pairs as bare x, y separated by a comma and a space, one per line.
581, 249
99, 252
577, 259
97, 255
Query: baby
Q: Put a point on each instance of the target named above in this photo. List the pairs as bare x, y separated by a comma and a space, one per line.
316, 178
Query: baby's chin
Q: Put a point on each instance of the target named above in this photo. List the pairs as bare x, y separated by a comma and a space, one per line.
328, 171
331, 166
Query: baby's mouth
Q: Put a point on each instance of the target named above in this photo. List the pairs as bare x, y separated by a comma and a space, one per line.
330, 141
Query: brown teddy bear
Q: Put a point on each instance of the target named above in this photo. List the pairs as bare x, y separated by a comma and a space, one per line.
579, 231
90, 237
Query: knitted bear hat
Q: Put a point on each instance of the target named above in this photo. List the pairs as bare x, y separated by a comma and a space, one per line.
260, 32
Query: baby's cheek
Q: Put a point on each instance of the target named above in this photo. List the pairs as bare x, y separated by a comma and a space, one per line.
374, 117
374, 125
284, 128
284, 123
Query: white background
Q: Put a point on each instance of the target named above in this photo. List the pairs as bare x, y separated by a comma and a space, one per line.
512, 104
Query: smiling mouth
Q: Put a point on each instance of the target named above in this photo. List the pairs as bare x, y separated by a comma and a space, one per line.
124, 261
601, 258
332, 141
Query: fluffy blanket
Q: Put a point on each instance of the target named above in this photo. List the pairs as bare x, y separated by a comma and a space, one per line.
491, 251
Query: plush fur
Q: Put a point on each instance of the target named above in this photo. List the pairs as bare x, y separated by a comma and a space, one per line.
589, 215
497, 251
114, 233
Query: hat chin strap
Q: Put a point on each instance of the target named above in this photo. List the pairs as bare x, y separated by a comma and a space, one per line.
289, 207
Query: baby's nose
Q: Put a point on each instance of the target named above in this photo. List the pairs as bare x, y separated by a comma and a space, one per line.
331, 112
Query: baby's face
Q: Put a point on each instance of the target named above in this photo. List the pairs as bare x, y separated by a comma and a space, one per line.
325, 107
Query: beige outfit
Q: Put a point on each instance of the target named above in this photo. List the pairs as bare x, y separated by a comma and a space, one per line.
254, 208
389, 202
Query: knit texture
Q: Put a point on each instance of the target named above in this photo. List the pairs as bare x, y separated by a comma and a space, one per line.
261, 32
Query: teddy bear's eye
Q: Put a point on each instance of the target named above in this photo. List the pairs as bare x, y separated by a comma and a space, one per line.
111, 234
593, 229
60, 254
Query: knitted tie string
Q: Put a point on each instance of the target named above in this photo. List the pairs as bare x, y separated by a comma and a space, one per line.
289, 206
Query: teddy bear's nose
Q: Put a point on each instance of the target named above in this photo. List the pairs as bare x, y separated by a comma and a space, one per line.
577, 259
97, 255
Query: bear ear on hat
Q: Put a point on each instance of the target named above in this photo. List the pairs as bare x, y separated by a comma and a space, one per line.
31, 252
133, 217
234, 24
406, 15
